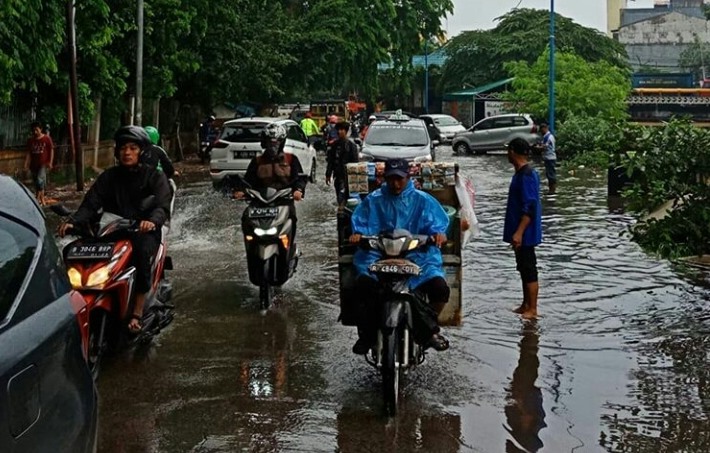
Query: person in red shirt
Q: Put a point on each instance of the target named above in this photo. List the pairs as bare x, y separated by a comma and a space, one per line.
40, 156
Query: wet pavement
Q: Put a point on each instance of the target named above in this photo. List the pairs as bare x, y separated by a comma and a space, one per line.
617, 362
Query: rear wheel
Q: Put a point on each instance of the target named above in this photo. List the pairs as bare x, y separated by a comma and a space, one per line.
312, 177
390, 370
462, 149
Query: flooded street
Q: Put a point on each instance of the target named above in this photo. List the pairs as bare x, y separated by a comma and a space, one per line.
617, 362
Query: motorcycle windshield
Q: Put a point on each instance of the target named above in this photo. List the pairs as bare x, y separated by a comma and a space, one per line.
111, 223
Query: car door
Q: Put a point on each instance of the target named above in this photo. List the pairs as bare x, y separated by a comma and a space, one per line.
501, 132
297, 144
479, 136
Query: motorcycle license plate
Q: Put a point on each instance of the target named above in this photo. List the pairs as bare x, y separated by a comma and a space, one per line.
244, 154
263, 213
394, 268
90, 251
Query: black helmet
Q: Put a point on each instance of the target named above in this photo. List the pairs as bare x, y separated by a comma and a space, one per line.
273, 132
131, 134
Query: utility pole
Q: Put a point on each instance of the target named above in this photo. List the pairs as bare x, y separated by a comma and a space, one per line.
551, 104
139, 67
73, 104
426, 76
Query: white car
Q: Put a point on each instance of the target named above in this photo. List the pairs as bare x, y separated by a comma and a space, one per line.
240, 141
447, 125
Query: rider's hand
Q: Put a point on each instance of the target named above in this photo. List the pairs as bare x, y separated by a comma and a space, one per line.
517, 240
327, 180
238, 195
355, 238
176, 173
145, 226
298, 195
439, 239
63, 228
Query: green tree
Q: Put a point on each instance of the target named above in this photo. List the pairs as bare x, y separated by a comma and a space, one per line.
582, 88
479, 57
696, 59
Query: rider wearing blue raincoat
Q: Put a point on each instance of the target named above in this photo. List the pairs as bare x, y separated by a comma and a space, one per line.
399, 205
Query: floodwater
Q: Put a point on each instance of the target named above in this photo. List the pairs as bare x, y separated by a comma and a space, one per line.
617, 362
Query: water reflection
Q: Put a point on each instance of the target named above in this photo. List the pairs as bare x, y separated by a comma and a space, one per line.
414, 429
524, 412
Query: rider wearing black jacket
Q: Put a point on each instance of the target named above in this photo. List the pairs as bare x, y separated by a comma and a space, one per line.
340, 153
121, 190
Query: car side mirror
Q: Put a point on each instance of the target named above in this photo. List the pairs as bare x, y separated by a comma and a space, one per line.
358, 142
435, 143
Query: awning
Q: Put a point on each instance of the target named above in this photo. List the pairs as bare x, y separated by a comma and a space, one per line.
470, 94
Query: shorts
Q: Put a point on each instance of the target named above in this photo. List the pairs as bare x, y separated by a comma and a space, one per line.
551, 171
39, 178
527, 263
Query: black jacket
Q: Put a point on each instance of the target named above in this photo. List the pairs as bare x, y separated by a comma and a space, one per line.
154, 155
120, 190
340, 154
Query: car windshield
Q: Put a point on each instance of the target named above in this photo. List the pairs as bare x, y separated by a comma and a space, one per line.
446, 121
242, 133
17, 248
396, 135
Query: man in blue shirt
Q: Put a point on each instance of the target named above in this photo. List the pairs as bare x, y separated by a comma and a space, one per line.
549, 157
398, 205
523, 223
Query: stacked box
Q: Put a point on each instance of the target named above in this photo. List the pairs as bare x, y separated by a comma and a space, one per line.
364, 177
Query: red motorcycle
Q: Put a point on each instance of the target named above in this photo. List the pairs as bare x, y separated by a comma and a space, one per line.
100, 267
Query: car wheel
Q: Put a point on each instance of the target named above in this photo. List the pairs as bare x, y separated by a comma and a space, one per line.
461, 148
312, 177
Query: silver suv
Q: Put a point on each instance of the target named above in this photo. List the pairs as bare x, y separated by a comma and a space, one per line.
494, 133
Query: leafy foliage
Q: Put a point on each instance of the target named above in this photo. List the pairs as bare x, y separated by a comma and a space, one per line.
479, 57
672, 163
596, 89
695, 57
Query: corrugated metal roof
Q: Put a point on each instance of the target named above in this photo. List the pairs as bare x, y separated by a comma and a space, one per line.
472, 92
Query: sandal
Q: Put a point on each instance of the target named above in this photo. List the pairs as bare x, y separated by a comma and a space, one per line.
438, 342
137, 330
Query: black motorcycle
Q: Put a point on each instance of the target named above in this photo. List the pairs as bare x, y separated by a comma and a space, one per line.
395, 352
268, 238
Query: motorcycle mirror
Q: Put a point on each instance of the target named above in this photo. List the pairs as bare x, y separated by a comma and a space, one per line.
147, 203
60, 210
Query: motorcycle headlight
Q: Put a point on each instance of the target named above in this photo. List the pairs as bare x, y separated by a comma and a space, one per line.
74, 277
413, 244
261, 232
99, 277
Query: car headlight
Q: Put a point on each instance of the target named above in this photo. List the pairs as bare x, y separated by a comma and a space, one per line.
426, 158
99, 277
261, 232
74, 277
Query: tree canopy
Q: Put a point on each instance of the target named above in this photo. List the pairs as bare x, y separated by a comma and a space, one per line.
479, 57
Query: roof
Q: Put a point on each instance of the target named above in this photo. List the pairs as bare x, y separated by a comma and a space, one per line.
16, 202
466, 95
257, 119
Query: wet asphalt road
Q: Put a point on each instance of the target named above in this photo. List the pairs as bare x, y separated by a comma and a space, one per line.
618, 361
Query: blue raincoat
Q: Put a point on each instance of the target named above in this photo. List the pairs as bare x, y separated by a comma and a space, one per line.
412, 210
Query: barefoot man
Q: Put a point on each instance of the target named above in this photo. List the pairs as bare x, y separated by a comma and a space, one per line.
523, 223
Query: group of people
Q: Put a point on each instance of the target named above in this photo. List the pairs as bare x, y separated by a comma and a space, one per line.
397, 204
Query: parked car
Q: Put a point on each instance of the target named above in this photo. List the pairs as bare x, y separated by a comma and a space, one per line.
240, 141
48, 400
495, 132
446, 125
398, 136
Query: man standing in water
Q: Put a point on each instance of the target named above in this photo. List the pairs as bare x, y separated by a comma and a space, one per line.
549, 157
523, 223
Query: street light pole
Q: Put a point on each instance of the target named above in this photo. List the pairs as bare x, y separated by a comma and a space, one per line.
139, 67
426, 76
73, 104
551, 104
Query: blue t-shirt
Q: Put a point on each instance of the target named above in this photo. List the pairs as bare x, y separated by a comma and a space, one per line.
524, 198
550, 143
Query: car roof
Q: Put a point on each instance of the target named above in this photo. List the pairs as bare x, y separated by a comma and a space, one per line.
503, 115
409, 122
436, 115
259, 119
17, 202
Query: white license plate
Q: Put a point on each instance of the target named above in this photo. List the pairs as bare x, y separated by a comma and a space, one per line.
244, 154
263, 213
399, 269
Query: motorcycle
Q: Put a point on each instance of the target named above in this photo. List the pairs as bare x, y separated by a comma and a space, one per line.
269, 232
99, 267
205, 152
396, 352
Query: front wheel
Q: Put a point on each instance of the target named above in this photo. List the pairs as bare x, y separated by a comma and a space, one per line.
461, 149
98, 343
266, 291
312, 177
390, 371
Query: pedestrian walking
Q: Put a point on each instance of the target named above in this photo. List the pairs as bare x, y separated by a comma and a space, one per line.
39, 160
341, 152
523, 223
310, 128
549, 157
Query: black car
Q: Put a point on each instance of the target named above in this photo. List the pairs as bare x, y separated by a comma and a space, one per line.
48, 400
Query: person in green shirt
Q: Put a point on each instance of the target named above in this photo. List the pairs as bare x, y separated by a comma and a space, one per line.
310, 128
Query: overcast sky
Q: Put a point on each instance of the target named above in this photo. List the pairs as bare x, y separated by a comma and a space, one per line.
480, 14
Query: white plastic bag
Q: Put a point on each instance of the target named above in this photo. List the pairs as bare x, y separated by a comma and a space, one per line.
466, 194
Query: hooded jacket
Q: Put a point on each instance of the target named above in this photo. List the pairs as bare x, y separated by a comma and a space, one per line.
412, 210
120, 190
